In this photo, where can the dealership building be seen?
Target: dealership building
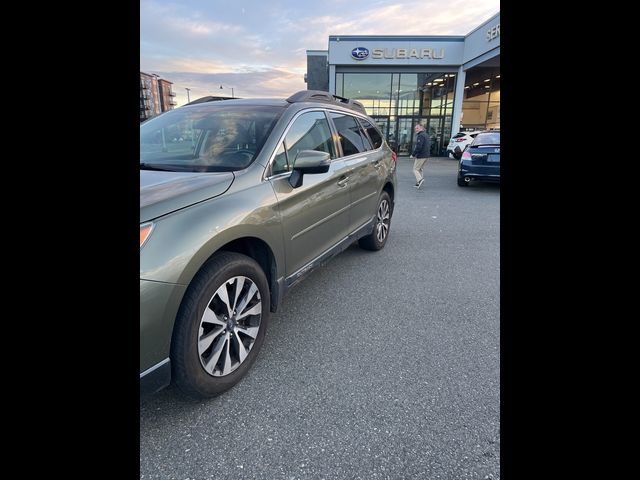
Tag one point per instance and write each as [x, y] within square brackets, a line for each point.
[447, 83]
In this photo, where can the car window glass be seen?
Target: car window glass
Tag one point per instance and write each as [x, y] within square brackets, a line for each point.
[374, 135]
[310, 131]
[177, 139]
[487, 139]
[206, 138]
[280, 161]
[365, 140]
[349, 132]
[458, 135]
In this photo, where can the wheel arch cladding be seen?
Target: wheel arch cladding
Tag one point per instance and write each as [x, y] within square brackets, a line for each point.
[262, 253]
[388, 187]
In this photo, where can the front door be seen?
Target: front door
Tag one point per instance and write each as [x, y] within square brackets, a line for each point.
[315, 216]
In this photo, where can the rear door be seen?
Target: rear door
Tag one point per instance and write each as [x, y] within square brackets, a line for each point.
[365, 166]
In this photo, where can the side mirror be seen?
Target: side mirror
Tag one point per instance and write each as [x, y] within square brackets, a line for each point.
[308, 161]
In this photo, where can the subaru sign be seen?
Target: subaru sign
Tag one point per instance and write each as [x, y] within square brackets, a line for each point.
[360, 53]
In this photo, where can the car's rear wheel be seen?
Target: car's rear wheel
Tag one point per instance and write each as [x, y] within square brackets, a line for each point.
[378, 237]
[461, 182]
[220, 326]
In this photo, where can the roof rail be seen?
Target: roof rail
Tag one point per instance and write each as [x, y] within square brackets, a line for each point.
[320, 96]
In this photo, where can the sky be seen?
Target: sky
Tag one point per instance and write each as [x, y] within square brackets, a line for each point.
[258, 48]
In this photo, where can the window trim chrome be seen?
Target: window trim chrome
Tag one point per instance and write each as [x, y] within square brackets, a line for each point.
[336, 143]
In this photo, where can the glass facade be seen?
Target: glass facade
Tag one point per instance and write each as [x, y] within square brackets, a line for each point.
[481, 105]
[397, 101]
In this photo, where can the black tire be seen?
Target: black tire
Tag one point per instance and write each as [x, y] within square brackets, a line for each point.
[461, 182]
[230, 270]
[377, 239]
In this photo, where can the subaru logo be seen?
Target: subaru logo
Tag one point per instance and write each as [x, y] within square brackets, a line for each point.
[360, 53]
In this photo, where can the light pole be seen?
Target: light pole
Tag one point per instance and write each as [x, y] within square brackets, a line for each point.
[232, 95]
[188, 99]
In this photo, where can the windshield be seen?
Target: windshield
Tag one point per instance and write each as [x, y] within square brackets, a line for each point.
[492, 138]
[206, 138]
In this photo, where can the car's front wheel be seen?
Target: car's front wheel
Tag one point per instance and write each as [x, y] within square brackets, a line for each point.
[378, 237]
[220, 326]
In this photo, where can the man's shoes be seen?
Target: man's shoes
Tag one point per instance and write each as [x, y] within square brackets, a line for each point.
[419, 184]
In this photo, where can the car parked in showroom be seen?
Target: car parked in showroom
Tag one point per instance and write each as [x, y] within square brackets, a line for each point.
[481, 159]
[459, 142]
[261, 193]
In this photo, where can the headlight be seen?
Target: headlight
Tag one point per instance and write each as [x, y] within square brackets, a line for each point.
[145, 231]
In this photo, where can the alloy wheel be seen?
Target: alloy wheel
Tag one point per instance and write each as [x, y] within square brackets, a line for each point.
[382, 225]
[229, 326]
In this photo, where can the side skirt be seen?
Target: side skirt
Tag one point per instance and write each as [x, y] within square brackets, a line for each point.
[290, 281]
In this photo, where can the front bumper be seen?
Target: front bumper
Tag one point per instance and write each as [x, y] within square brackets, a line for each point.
[155, 378]
[159, 303]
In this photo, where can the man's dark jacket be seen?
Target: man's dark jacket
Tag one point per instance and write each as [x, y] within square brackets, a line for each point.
[422, 148]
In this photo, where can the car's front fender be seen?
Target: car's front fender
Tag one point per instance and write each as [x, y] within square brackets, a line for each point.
[182, 241]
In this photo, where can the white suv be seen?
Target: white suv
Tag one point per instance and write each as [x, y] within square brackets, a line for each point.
[458, 143]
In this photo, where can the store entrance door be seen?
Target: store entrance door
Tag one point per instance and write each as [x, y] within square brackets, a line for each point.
[435, 130]
[404, 135]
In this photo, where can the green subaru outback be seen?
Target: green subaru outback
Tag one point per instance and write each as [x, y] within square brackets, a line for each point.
[239, 200]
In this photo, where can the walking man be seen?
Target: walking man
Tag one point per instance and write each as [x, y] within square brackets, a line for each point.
[420, 153]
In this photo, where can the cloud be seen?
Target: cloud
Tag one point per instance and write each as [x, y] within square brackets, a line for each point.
[427, 18]
[259, 47]
[260, 83]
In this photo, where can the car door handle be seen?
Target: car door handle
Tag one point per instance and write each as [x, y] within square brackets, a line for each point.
[343, 181]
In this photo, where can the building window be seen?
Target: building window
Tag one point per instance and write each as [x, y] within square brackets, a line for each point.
[373, 90]
[397, 101]
[481, 106]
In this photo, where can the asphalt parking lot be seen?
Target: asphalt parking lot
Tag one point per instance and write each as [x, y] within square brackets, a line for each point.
[379, 365]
